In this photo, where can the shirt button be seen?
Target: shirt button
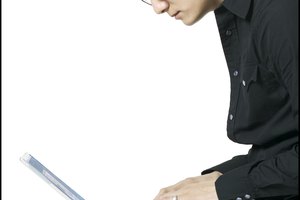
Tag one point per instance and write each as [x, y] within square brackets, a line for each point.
[228, 33]
[231, 117]
[247, 196]
[244, 83]
[239, 198]
[236, 73]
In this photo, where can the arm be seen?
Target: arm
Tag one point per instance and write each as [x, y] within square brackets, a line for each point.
[229, 165]
[276, 176]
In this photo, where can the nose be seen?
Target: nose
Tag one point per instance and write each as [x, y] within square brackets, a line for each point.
[160, 6]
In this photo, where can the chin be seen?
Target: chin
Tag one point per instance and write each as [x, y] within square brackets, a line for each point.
[190, 21]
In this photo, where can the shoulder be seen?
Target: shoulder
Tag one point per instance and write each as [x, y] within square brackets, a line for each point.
[275, 20]
[279, 13]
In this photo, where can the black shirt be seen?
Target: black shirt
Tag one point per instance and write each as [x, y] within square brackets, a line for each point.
[260, 42]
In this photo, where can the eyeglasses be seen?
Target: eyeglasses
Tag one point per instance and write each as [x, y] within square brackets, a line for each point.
[147, 2]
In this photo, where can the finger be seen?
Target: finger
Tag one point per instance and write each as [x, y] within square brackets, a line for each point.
[168, 196]
[181, 195]
[175, 189]
[161, 193]
[166, 193]
[170, 192]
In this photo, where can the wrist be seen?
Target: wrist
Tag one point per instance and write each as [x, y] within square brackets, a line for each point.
[216, 173]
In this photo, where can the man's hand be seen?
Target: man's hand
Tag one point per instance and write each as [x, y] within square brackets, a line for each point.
[196, 188]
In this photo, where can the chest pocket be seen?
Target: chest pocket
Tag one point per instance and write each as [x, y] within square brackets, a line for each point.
[260, 96]
[249, 76]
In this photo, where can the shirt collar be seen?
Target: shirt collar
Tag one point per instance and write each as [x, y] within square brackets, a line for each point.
[238, 7]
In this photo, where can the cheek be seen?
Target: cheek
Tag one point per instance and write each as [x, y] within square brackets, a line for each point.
[192, 17]
[196, 14]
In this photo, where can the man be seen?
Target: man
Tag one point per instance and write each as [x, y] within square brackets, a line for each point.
[260, 42]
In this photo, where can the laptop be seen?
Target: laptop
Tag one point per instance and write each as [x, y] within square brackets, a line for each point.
[49, 177]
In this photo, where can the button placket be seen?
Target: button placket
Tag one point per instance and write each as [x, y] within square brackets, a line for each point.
[228, 32]
[235, 73]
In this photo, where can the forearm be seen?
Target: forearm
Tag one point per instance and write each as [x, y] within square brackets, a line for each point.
[277, 176]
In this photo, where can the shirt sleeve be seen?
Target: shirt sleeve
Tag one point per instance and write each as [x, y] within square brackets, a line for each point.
[268, 178]
[229, 165]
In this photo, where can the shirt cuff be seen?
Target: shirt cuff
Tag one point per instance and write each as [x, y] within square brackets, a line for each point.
[235, 184]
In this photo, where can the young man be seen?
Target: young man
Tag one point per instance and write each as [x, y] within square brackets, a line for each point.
[260, 42]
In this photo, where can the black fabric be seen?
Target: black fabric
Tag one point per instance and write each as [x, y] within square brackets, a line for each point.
[260, 42]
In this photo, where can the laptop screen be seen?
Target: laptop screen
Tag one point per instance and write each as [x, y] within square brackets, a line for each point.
[49, 177]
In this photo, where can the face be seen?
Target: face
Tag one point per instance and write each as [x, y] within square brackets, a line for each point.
[189, 11]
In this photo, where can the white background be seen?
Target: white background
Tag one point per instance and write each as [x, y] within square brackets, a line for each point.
[115, 100]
